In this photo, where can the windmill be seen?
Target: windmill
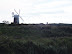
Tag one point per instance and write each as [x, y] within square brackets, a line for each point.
[16, 17]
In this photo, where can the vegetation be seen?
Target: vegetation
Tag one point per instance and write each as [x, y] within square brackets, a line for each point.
[59, 30]
[36, 39]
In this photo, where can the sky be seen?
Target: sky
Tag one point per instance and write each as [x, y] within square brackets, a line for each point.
[37, 11]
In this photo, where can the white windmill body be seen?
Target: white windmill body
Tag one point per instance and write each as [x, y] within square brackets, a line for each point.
[16, 17]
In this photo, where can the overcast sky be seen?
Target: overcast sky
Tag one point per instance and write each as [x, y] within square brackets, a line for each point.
[37, 11]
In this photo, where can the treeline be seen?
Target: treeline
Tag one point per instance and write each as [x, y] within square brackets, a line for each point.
[55, 46]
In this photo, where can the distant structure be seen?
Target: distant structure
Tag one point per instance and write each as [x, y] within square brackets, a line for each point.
[16, 17]
[47, 23]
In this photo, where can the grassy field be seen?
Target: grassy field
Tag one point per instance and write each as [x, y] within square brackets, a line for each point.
[36, 39]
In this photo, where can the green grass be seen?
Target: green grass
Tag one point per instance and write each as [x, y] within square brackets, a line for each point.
[38, 45]
[35, 39]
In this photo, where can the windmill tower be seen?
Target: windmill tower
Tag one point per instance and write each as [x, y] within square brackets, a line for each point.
[16, 17]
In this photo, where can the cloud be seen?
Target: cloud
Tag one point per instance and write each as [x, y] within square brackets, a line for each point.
[32, 10]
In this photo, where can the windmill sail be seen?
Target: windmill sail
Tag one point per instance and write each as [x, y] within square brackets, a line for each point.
[18, 14]
[16, 17]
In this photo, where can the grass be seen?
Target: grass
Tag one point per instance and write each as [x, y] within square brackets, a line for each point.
[35, 39]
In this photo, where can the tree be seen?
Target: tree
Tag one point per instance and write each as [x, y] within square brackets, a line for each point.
[6, 22]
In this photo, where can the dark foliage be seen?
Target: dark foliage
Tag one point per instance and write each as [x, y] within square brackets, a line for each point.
[45, 39]
[8, 46]
[19, 31]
